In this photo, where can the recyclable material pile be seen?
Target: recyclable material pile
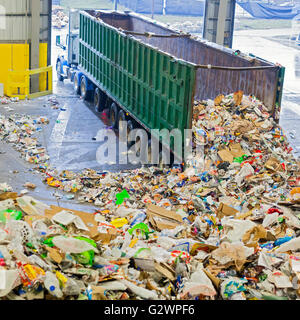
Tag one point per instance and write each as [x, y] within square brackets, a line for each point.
[187, 26]
[59, 18]
[19, 130]
[7, 100]
[227, 227]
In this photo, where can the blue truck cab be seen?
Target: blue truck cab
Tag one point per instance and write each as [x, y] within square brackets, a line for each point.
[67, 62]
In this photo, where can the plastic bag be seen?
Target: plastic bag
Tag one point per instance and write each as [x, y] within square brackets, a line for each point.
[72, 245]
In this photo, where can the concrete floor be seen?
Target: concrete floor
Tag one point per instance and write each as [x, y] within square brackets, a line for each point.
[69, 141]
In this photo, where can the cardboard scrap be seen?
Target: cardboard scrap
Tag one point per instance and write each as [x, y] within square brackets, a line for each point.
[55, 254]
[273, 164]
[225, 155]
[232, 151]
[98, 293]
[225, 210]
[241, 126]
[244, 215]
[8, 195]
[219, 99]
[252, 236]
[106, 238]
[87, 218]
[238, 97]
[161, 218]
[202, 246]
[228, 254]
[236, 150]
[165, 270]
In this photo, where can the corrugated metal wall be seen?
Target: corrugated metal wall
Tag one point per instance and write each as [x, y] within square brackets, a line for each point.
[21, 47]
[18, 21]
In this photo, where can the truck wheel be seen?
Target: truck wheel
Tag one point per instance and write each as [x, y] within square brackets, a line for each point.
[161, 163]
[130, 127]
[76, 84]
[121, 119]
[99, 100]
[113, 115]
[85, 94]
[58, 71]
[149, 155]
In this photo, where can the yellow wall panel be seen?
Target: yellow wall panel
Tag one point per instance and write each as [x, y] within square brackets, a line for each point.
[5, 63]
[20, 57]
[20, 61]
[43, 63]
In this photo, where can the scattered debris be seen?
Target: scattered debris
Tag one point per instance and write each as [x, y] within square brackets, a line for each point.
[225, 227]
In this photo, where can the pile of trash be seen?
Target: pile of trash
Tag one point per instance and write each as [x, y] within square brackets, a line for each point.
[19, 130]
[7, 100]
[224, 227]
[187, 26]
[59, 18]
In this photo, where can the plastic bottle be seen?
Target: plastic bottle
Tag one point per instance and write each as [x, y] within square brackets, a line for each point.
[142, 292]
[40, 228]
[127, 240]
[139, 218]
[52, 285]
[280, 241]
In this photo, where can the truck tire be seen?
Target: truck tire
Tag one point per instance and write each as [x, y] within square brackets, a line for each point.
[99, 100]
[113, 115]
[58, 71]
[130, 127]
[76, 84]
[149, 155]
[161, 161]
[84, 92]
[162, 164]
[122, 118]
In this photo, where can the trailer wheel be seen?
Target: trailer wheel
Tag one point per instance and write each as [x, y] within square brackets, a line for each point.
[113, 115]
[121, 119]
[149, 155]
[162, 163]
[58, 71]
[76, 84]
[130, 127]
[99, 100]
[85, 93]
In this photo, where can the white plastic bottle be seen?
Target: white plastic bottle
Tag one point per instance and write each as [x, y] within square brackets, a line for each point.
[52, 285]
